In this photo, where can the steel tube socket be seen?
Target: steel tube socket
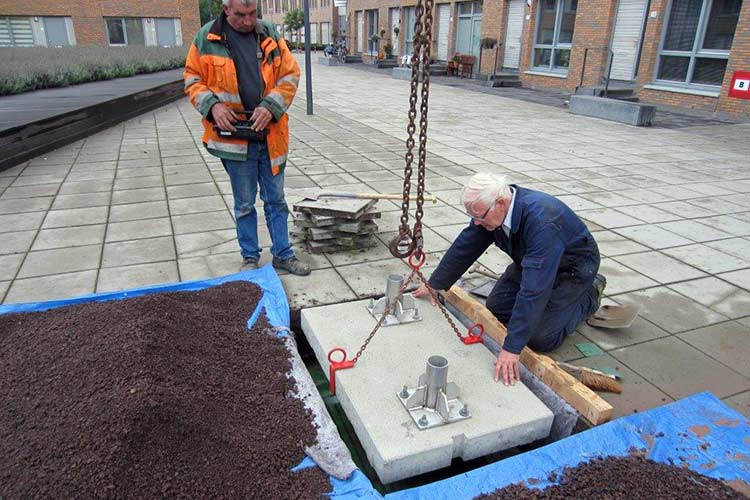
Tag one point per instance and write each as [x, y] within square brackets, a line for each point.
[437, 379]
[393, 286]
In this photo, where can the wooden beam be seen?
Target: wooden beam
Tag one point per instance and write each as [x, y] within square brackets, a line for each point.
[589, 404]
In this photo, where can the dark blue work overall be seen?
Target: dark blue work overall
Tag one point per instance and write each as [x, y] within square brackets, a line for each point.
[548, 289]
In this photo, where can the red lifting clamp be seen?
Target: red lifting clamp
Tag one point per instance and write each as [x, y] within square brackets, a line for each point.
[419, 263]
[337, 365]
[474, 338]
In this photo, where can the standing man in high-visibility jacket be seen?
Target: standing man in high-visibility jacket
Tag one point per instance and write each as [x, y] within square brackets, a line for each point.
[236, 63]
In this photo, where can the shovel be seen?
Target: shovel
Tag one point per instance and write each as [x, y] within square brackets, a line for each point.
[316, 195]
[614, 316]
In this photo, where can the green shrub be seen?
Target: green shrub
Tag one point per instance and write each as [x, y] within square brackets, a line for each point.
[26, 69]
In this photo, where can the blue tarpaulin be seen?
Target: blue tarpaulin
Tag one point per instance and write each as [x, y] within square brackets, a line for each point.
[700, 432]
[274, 299]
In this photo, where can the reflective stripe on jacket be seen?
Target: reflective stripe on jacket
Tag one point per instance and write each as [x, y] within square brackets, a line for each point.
[211, 77]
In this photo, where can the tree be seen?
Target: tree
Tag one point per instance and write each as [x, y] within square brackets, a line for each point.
[295, 20]
[209, 10]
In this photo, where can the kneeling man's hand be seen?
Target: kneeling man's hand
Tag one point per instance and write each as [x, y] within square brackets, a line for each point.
[507, 365]
[425, 291]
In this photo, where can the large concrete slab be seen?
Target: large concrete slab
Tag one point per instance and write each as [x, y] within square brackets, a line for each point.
[502, 417]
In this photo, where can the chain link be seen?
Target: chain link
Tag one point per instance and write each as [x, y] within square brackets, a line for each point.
[440, 305]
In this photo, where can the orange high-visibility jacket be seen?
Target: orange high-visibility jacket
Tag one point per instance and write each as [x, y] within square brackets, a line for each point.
[211, 77]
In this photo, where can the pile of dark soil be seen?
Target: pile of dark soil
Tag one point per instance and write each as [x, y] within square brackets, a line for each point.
[625, 478]
[161, 395]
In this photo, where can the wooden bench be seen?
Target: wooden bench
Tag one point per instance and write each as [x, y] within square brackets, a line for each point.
[466, 66]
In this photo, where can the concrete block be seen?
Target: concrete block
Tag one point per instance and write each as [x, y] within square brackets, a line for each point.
[502, 417]
[631, 113]
[328, 61]
[404, 74]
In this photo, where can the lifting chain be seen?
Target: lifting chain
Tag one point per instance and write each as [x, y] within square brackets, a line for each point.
[410, 241]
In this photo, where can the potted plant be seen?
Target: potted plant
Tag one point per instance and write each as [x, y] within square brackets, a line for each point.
[388, 49]
[452, 66]
[374, 38]
[485, 43]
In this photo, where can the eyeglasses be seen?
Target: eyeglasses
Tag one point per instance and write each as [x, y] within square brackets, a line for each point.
[483, 217]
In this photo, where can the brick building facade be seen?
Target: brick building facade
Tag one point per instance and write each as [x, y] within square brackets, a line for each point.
[98, 22]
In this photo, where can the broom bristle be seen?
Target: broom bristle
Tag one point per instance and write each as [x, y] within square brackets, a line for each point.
[600, 382]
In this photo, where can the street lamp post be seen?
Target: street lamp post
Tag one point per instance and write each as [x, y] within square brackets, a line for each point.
[308, 63]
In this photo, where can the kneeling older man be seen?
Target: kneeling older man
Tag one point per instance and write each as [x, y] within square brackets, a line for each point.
[552, 284]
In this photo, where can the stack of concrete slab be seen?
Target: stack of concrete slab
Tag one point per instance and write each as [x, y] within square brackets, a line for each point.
[334, 224]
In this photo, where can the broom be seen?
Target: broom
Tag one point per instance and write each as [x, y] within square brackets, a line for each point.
[593, 379]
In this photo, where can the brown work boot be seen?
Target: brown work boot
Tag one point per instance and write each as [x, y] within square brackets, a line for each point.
[293, 265]
[249, 264]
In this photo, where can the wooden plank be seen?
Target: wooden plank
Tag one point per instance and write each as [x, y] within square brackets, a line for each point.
[589, 404]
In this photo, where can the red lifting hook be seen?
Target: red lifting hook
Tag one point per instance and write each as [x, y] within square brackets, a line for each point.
[337, 365]
[473, 338]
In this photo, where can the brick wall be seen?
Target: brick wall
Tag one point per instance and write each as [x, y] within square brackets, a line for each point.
[739, 60]
[87, 15]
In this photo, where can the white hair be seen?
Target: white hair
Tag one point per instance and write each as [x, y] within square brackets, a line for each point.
[486, 188]
[246, 3]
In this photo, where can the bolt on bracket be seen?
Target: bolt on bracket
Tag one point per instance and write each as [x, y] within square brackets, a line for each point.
[405, 311]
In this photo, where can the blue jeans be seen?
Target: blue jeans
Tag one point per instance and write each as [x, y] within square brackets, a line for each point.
[245, 177]
[573, 299]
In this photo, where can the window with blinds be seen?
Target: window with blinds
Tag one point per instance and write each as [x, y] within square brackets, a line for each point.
[16, 32]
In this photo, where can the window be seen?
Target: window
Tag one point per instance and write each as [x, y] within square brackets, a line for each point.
[16, 32]
[372, 29]
[125, 31]
[56, 32]
[469, 28]
[697, 37]
[556, 21]
[409, 19]
[166, 35]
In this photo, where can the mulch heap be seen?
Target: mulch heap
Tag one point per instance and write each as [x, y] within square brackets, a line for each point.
[160, 395]
[625, 478]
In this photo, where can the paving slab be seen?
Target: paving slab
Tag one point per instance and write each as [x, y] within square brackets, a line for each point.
[138, 229]
[60, 260]
[727, 299]
[69, 237]
[53, 287]
[679, 369]
[727, 342]
[740, 402]
[641, 330]
[142, 251]
[17, 242]
[502, 417]
[121, 278]
[75, 217]
[659, 267]
[739, 278]
[138, 211]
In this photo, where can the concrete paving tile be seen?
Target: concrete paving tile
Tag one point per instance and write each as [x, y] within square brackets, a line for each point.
[740, 402]
[76, 217]
[80, 187]
[128, 173]
[16, 242]
[198, 204]
[137, 195]
[4, 285]
[443, 216]
[53, 287]
[622, 279]
[69, 237]
[728, 224]
[737, 247]
[125, 253]
[433, 242]
[679, 369]
[653, 236]
[568, 350]
[206, 221]
[21, 205]
[637, 393]
[449, 232]
[226, 187]
[368, 279]
[576, 202]
[376, 253]
[11, 193]
[495, 260]
[20, 222]
[122, 278]
[193, 190]
[739, 278]
[84, 200]
[707, 259]
[612, 244]
[608, 218]
[609, 199]
[210, 266]
[659, 267]
[139, 182]
[136, 211]
[607, 338]
[183, 178]
[9, 265]
[744, 321]
[14, 171]
[93, 175]
[60, 260]
[670, 310]
[34, 180]
[138, 229]
[694, 230]
[139, 163]
[649, 213]
[727, 342]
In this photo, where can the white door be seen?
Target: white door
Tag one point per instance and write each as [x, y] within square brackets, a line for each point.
[395, 15]
[626, 38]
[360, 31]
[514, 34]
[444, 21]
[325, 33]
